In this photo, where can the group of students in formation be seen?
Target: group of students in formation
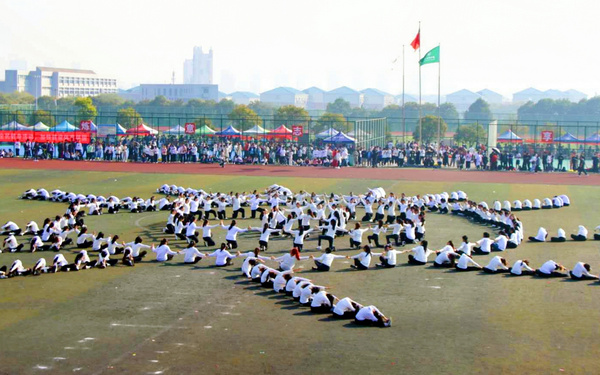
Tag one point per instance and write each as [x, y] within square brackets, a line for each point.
[391, 220]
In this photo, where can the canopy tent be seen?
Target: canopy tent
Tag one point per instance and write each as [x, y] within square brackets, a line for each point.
[13, 125]
[327, 133]
[593, 139]
[229, 132]
[509, 136]
[93, 127]
[339, 138]
[567, 138]
[176, 130]
[64, 126]
[358, 133]
[256, 129]
[141, 129]
[40, 127]
[121, 130]
[205, 130]
[280, 132]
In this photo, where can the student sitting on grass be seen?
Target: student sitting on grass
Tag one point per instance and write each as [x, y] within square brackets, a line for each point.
[551, 269]
[561, 236]
[581, 271]
[581, 234]
[541, 235]
[371, 316]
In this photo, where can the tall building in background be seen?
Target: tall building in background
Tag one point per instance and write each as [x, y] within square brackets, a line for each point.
[199, 70]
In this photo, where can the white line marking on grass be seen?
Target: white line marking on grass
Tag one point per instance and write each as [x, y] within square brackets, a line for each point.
[40, 367]
[137, 222]
[143, 326]
[59, 358]
[435, 287]
[77, 369]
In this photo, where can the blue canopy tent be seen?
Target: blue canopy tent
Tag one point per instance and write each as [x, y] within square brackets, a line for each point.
[509, 136]
[64, 127]
[339, 138]
[567, 138]
[593, 139]
[327, 133]
[229, 132]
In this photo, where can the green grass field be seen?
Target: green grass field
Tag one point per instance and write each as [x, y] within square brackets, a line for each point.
[174, 318]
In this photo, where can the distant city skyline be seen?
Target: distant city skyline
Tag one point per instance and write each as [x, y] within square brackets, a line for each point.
[507, 47]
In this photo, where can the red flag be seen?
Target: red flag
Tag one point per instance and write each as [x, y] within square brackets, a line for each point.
[415, 44]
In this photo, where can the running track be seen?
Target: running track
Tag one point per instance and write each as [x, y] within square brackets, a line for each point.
[407, 174]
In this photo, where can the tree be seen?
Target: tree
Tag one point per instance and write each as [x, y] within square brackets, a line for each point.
[109, 100]
[449, 114]
[243, 118]
[291, 115]
[429, 128]
[339, 106]
[470, 134]
[225, 106]
[43, 116]
[85, 109]
[128, 117]
[201, 121]
[17, 98]
[159, 101]
[479, 111]
[332, 120]
[202, 106]
[67, 101]
[261, 109]
[46, 102]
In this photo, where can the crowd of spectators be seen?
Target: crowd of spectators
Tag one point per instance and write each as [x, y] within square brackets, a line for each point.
[164, 149]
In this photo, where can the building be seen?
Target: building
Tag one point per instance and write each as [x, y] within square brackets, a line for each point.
[491, 96]
[281, 96]
[199, 70]
[527, 95]
[57, 82]
[376, 99]
[462, 99]
[316, 99]
[172, 92]
[354, 97]
[407, 99]
[243, 97]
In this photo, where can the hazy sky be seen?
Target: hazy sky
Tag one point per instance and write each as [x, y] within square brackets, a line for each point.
[505, 45]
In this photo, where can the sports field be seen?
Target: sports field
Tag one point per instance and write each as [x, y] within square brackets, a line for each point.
[173, 318]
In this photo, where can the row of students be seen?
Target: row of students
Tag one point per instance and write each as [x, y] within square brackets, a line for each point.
[582, 235]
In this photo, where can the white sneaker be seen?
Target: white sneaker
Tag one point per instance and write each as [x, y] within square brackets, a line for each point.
[318, 247]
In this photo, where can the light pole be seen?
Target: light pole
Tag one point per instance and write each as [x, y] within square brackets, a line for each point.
[37, 84]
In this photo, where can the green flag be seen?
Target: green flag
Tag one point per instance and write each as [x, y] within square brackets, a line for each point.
[433, 56]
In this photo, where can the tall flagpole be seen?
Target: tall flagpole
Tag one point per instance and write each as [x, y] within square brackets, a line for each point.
[420, 129]
[439, 108]
[403, 113]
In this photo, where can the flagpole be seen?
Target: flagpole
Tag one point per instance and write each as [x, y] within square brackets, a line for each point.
[403, 113]
[420, 129]
[439, 108]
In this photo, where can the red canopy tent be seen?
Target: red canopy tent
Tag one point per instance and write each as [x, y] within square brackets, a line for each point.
[280, 132]
[141, 129]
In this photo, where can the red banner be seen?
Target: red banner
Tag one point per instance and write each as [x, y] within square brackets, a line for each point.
[547, 136]
[44, 137]
[85, 126]
[297, 130]
[190, 128]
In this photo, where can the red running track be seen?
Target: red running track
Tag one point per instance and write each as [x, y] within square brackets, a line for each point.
[406, 174]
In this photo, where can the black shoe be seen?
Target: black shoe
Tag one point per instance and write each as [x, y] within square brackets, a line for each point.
[352, 266]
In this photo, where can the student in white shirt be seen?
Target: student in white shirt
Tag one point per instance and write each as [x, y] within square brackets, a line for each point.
[10, 227]
[39, 267]
[581, 271]
[32, 228]
[299, 236]
[597, 234]
[541, 235]
[389, 257]
[464, 264]
[11, 245]
[446, 258]
[396, 229]
[232, 232]
[496, 265]
[420, 254]
[223, 257]
[100, 243]
[323, 263]
[371, 316]
[362, 260]
[330, 231]
[288, 261]
[551, 269]
[484, 245]
[377, 230]
[265, 233]
[356, 235]
[521, 267]
[581, 234]
[500, 242]
[346, 308]
[191, 254]
[190, 231]
[17, 269]
[105, 261]
[82, 261]
[207, 233]
[84, 239]
[252, 259]
[465, 247]
[136, 246]
[163, 251]
[322, 302]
